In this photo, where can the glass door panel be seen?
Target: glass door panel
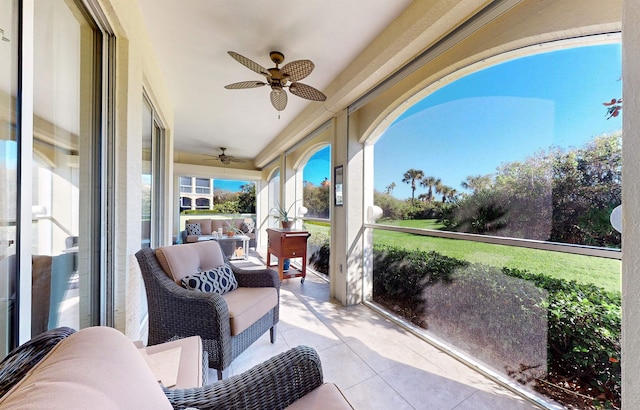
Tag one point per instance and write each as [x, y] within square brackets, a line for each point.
[65, 137]
[8, 171]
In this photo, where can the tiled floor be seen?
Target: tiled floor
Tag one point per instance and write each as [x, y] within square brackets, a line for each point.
[377, 364]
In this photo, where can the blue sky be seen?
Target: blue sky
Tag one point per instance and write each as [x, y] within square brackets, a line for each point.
[318, 167]
[502, 114]
[228, 185]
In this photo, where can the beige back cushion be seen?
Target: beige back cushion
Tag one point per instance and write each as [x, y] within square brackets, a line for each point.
[95, 368]
[179, 261]
[205, 225]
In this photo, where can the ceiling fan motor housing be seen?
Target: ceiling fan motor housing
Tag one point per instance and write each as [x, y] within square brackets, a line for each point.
[277, 57]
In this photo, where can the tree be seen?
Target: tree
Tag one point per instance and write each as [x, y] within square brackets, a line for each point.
[316, 199]
[411, 177]
[554, 195]
[477, 183]
[431, 183]
[247, 198]
[389, 188]
[447, 193]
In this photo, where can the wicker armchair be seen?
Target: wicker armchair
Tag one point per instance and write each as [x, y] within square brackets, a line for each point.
[18, 363]
[175, 312]
[273, 384]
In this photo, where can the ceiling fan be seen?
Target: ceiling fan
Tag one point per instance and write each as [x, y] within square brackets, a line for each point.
[224, 158]
[280, 78]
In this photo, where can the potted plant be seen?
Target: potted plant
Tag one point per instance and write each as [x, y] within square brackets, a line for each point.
[232, 230]
[284, 215]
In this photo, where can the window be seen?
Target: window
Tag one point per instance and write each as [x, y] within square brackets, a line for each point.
[152, 183]
[316, 188]
[186, 185]
[508, 177]
[185, 203]
[202, 203]
[8, 171]
[203, 186]
[64, 170]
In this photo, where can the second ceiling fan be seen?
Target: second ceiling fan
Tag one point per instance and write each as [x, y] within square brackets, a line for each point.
[279, 78]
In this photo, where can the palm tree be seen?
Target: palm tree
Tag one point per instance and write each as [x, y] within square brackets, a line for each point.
[477, 182]
[452, 196]
[410, 177]
[390, 187]
[430, 182]
[445, 191]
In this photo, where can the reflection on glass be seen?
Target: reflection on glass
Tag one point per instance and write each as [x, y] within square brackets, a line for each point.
[535, 157]
[64, 107]
[147, 172]
[8, 167]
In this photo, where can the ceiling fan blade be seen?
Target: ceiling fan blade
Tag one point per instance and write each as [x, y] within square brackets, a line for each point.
[297, 70]
[306, 91]
[278, 98]
[244, 84]
[234, 159]
[250, 64]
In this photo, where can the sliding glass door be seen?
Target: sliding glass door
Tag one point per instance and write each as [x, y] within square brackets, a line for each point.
[8, 171]
[65, 226]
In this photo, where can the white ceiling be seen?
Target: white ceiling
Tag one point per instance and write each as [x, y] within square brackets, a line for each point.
[191, 39]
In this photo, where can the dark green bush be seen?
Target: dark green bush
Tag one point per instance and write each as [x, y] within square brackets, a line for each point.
[584, 330]
[583, 321]
[400, 273]
[320, 258]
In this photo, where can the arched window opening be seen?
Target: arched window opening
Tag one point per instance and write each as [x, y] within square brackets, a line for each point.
[316, 193]
[508, 177]
[202, 203]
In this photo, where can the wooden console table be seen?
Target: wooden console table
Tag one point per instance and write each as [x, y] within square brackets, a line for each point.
[288, 243]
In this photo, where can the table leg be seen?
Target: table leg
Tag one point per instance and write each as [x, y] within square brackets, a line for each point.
[245, 245]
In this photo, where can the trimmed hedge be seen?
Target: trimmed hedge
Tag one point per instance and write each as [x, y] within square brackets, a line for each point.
[583, 322]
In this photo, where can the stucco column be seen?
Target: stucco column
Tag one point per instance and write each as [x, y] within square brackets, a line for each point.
[346, 221]
[630, 206]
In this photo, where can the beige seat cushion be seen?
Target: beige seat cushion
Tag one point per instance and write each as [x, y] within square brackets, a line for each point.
[326, 397]
[97, 367]
[247, 305]
[190, 367]
[179, 261]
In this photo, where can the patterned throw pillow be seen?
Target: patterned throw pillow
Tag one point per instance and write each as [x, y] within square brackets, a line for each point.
[247, 226]
[193, 229]
[219, 280]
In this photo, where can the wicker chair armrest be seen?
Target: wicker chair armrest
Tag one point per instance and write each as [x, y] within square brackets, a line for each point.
[274, 384]
[22, 359]
[256, 278]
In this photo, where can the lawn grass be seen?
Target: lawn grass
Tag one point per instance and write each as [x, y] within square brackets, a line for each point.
[602, 272]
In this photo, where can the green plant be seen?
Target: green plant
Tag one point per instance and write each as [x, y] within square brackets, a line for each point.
[584, 323]
[283, 214]
[581, 323]
[320, 258]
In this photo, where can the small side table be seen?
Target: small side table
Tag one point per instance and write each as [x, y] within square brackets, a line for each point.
[288, 243]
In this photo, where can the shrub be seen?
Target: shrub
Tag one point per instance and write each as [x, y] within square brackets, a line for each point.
[584, 331]
[400, 273]
[320, 258]
[583, 321]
